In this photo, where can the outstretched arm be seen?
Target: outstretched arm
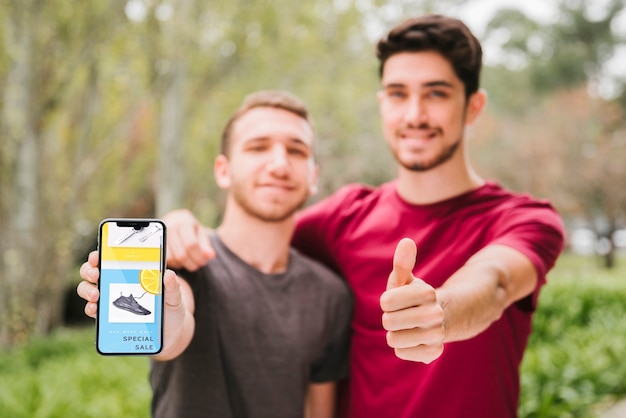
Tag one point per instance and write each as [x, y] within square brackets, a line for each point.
[179, 322]
[477, 294]
[420, 319]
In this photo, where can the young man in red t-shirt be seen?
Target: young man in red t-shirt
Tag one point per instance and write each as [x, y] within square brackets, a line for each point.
[460, 312]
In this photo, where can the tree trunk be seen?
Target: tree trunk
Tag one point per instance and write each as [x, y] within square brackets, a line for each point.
[170, 184]
[20, 207]
[34, 221]
[609, 258]
[171, 180]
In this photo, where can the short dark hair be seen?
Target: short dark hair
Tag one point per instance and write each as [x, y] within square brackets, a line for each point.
[446, 35]
[277, 99]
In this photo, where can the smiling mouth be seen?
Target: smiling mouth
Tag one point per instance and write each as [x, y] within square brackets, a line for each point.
[421, 134]
[416, 142]
[281, 187]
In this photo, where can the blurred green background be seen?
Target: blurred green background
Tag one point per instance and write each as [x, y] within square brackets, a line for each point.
[574, 365]
[115, 108]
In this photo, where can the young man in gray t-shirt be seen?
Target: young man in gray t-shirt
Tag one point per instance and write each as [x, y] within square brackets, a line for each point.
[260, 331]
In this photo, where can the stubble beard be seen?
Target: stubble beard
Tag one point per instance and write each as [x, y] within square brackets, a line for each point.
[422, 166]
[439, 159]
[275, 215]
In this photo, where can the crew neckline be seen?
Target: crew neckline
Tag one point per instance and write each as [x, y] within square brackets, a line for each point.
[445, 202]
[273, 277]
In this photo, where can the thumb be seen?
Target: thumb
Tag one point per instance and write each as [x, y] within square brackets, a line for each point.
[403, 263]
[172, 295]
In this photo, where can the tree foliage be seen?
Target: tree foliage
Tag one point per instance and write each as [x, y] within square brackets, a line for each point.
[564, 54]
[115, 108]
[561, 133]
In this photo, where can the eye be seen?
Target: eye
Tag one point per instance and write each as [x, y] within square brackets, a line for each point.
[298, 152]
[438, 94]
[255, 147]
[396, 94]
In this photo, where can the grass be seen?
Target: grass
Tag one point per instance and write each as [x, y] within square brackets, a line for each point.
[573, 367]
[63, 376]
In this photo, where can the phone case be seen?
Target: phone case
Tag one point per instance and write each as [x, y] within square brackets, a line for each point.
[130, 308]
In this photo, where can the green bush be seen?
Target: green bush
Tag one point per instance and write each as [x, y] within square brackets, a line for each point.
[63, 376]
[573, 365]
[574, 362]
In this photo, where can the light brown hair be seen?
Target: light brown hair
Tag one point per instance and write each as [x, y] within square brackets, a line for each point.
[277, 99]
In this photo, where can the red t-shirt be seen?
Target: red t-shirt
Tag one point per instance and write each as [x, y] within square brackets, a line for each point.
[356, 230]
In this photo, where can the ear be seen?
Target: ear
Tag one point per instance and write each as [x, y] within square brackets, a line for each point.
[221, 172]
[313, 177]
[380, 95]
[475, 106]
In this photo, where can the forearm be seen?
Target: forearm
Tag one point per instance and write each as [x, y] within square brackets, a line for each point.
[478, 294]
[177, 334]
[179, 322]
[470, 306]
[321, 400]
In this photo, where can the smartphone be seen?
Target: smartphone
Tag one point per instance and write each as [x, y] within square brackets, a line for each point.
[130, 308]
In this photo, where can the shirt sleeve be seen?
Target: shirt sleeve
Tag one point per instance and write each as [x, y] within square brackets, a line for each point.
[535, 229]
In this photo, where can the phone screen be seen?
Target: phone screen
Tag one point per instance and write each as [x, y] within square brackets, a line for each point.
[130, 308]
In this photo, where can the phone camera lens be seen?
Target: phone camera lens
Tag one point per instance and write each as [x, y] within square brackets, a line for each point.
[138, 228]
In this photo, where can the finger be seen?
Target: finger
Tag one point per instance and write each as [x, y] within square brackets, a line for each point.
[418, 294]
[206, 247]
[422, 353]
[91, 309]
[188, 247]
[403, 263]
[423, 316]
[89, 272]
[88, 291]
[180, 224]
[415, 337]
[198, 247]
[92, 259]
[175, 250]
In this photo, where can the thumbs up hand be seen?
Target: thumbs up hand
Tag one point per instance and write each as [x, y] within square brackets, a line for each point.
[412, 316]
[403, 263]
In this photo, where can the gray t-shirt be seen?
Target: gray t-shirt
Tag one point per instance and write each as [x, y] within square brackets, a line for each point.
[259, 340]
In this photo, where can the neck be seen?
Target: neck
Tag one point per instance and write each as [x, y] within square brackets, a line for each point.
[450, 179]
[263, 245]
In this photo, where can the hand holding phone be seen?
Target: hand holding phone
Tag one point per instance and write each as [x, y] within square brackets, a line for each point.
[130, 307]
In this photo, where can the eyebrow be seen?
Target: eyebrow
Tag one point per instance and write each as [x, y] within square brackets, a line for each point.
[439, 83]
[435, 83]
[268, 138]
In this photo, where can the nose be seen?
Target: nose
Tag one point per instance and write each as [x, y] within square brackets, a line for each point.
[415, 112]
[278, 163]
